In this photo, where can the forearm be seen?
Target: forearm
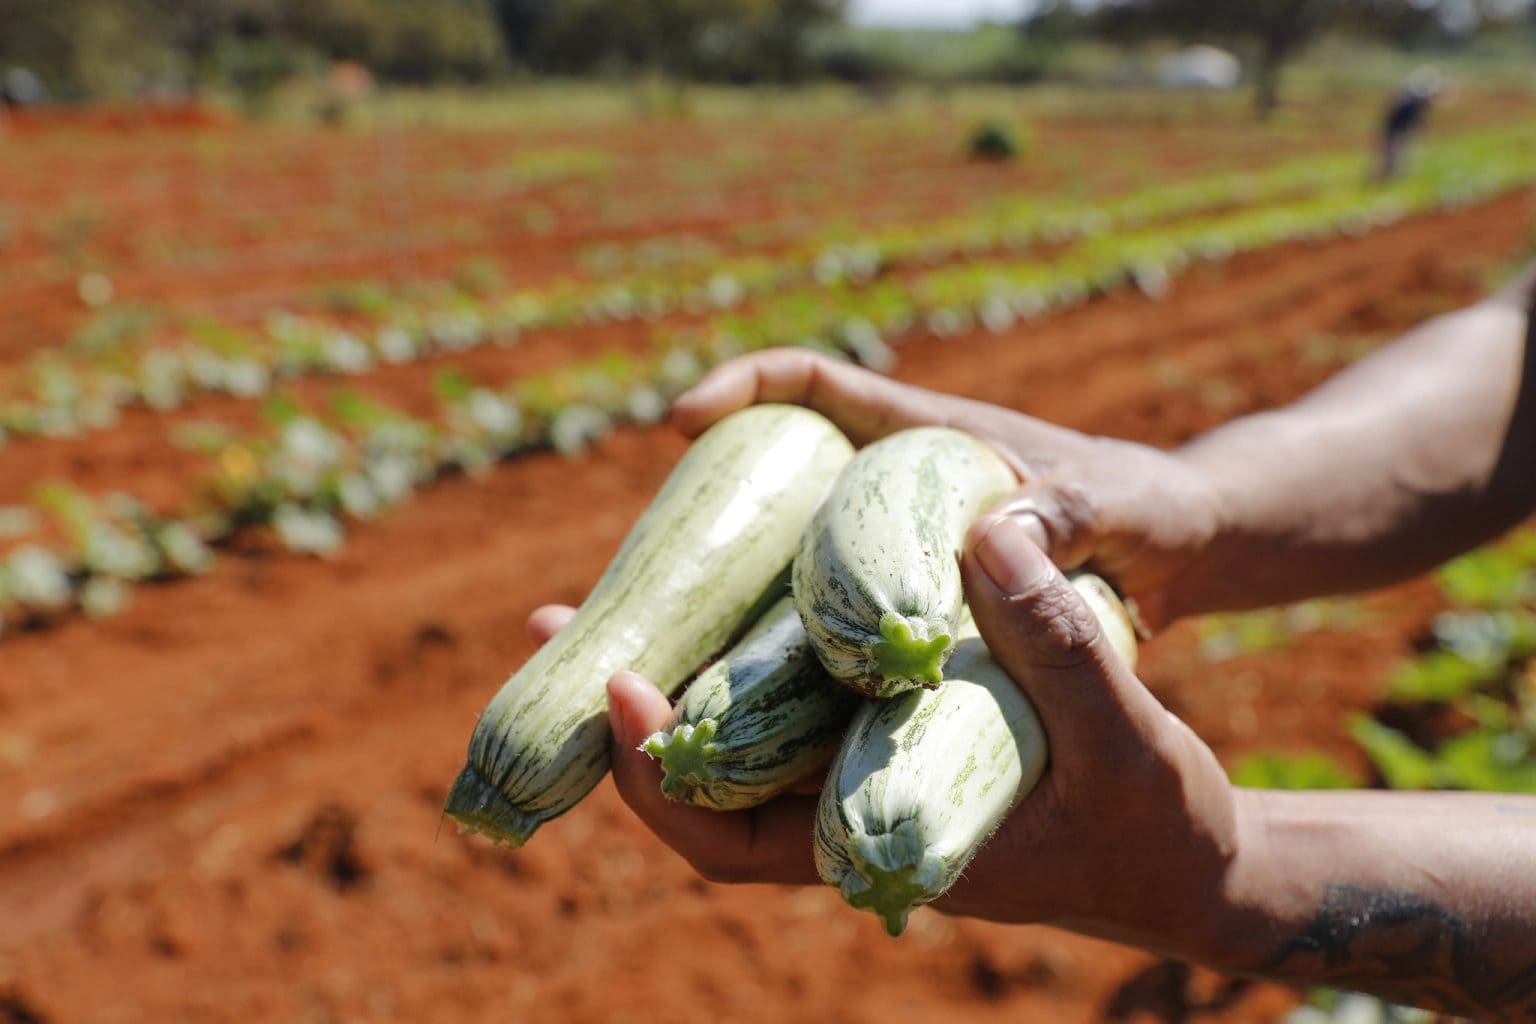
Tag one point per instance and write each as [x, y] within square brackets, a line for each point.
[1424, 899]
[1416, 453]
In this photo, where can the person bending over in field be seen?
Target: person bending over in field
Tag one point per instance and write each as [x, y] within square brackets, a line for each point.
[1404, 118]
[1134, 834]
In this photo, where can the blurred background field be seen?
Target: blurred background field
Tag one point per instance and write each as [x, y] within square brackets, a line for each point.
[336, 337]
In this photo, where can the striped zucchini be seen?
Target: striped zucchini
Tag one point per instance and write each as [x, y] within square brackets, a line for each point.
[755, 722]
[700, 564]
[923, 780]
[877, 577]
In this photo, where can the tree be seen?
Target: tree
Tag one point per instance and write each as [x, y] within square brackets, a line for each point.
[734, 39]
[785, 33]
[1274, 30]
[522, 22]
[1403, 25]
[82, 47]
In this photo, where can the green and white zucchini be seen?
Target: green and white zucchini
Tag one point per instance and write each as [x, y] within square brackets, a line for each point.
[705, 559]
[877, 577]
[1114, 618]
[755, 722]
[922, 781]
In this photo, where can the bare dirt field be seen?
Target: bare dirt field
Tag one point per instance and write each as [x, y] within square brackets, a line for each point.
[223, 803]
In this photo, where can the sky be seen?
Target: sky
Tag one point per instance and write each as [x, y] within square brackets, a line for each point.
[935, 13]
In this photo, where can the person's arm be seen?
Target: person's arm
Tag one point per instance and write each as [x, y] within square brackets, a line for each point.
[1423, 898]
[1418, 452]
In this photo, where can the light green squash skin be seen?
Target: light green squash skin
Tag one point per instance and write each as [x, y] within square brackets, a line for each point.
[877, 577]
[923, 780]
[704, 560]
[755, 722]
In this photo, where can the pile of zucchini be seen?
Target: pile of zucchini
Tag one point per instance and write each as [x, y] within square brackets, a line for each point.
[822, 565]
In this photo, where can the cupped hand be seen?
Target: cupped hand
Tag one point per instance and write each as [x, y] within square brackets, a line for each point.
[769, 843]
[1135, 515]
[1128, 834]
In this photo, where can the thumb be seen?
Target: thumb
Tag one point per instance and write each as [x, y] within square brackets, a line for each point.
[637, 709]
[1044, 635]
[762, 844]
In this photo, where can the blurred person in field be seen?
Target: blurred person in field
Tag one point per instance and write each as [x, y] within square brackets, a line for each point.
[20, 87]
[1405, 118]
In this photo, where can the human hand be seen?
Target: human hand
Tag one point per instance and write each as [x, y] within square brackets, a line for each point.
[768, 843]
[1132, 829]
[1135, 515]
[1127, 835]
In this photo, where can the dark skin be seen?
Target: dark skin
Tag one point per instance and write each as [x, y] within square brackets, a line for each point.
[1134, 834]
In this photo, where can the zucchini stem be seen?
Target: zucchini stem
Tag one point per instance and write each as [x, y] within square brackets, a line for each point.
[892, 873]
[686, 754]
[904, 658]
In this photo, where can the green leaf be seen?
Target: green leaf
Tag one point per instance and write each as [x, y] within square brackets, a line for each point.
[618, 366]
[1490, 712]
[1402, 763]
[281, 409]
[1293, 771]
[1522, 545]
[1441, 676]
[1490, 760]
[358, 412]
[1492, 577]
[452, 385]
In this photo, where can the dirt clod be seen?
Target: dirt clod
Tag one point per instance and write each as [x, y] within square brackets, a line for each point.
[327, 846]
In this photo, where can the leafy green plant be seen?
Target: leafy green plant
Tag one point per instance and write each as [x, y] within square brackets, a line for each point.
[1492, 577]
[1402, 763]
[1267, 629]
[1292, 771]
[1481, 666]
[994, 140]
[1441, 676]
[112, 328]
[1483, 758]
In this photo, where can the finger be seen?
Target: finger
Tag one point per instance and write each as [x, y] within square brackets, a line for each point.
[863, 404]
[810, 785]
[1042, 632]
[770, 843]
[545, 622]
[1060, 519]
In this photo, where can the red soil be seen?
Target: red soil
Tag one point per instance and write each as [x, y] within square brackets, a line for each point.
[231, 220]
[223, 804]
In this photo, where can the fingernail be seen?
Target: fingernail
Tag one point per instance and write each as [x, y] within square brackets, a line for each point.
[1011, 557]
